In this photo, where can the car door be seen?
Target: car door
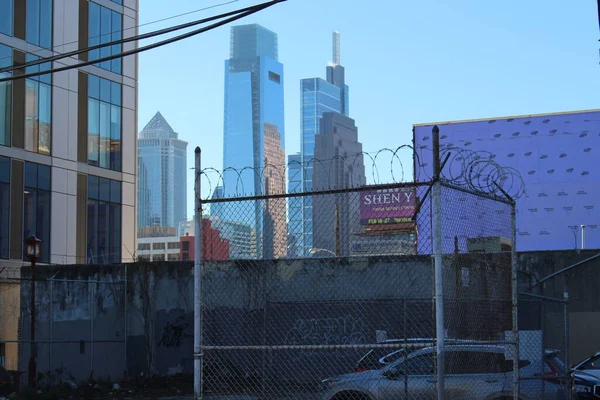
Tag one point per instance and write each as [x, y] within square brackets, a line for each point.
[409, 380]
[474, 374]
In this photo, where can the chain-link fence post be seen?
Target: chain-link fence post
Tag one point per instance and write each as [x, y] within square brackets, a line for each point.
[437, 255]
[197, 280]
[567, 344]
[515, 299]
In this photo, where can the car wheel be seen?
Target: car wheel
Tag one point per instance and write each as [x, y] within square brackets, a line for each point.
[350, 396]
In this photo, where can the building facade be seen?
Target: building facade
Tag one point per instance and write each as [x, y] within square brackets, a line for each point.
[549, 164]
[274, 212]
[317, 96]
[295, 239]
[214, 247]
[162, 178]
[67, 139]
[165, 248]
[335, 216]
[253, 106]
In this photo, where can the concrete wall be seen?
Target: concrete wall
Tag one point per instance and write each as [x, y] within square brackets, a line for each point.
[108, 321]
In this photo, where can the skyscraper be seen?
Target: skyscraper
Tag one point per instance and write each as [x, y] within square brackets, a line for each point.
[162, 162]
[337, 214]
[253, 106]
[317, 97]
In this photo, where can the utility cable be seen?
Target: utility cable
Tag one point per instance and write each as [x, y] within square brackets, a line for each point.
[254, 10]
[136, 26]
[134, 38]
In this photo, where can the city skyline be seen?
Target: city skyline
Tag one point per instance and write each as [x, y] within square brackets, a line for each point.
[406, 73]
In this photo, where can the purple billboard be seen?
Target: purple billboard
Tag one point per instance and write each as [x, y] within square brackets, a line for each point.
[552, 171]
[387, 206]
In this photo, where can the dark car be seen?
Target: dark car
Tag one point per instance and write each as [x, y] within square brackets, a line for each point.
[6, 381]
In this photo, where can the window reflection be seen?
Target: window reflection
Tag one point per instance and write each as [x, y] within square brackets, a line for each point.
[38, 109]
[4, 205]
[36, 207]
[104, 123]
[38, 25]
[5, 94]
[104, 221]
[105, 26]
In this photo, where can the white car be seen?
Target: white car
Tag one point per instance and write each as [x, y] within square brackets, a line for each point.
[590, 366]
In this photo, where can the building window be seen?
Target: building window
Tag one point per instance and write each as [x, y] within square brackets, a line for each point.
[158, 246]
[104, 221]
[38, 109]
[6, 17]
[4, 205]
[39, 23]
[158, 257]
[144, 246]
[36, 207]
[173, 245]
[186, 246]
[274, 77]
[5, 94]
[104, 123]
[105, 26]
[173, 257]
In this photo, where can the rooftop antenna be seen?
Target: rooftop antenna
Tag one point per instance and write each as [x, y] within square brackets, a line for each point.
[336, 48]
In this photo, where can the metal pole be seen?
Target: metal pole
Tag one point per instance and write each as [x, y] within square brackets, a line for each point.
[92, 309]
[543, 364]
[567, 361]
[338, 244]
[515, 299]
[197, 280]
[582, 237]
[50, 350]
[437, 254]
[32, 347]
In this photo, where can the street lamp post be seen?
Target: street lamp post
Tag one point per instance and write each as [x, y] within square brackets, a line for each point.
[32, 246]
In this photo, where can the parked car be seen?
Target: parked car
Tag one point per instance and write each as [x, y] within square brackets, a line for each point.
[6, 382]
[379, 357]
[590, 366]
[471, 372]
[585, 386]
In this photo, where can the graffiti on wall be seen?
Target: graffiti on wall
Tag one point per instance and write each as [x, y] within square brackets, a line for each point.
[175, 333]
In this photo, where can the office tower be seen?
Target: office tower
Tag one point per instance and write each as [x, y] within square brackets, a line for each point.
[335, 216]
[295, 239]
[162, 180]
[317, 96]
[253, 104]
[274, 221]
[68, 139]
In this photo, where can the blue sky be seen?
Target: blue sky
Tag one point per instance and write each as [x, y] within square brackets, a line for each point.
[406, 62]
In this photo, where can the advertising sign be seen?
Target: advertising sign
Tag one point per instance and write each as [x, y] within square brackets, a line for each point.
[387, 206]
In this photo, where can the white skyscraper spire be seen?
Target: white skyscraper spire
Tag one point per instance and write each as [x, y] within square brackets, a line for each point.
[336, 48]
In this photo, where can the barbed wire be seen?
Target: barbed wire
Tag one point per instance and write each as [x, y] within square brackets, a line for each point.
[477, 171]
[370, 161]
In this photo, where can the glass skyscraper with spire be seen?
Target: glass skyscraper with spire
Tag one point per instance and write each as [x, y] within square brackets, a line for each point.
[317, 96]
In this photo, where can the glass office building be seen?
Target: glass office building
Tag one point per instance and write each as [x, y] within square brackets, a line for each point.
[68, 139]
[162, 177]
[253, 105]
[317, 96]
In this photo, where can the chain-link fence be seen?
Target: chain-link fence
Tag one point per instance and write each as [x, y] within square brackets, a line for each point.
[331, 294]
[79, 326]
[544, 335]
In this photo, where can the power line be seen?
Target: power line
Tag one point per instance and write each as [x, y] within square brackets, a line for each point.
[252, 10]
[140, 25]
[130, 39]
